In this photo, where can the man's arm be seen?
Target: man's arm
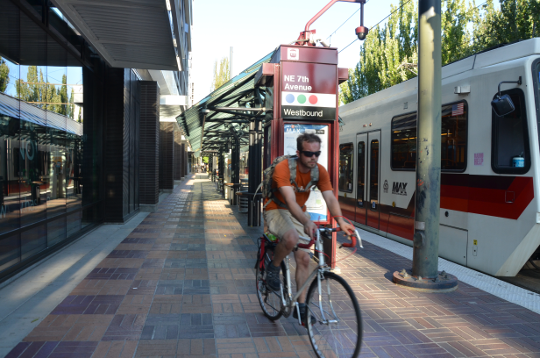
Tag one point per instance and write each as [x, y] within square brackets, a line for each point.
[290, 199]
[335, 210]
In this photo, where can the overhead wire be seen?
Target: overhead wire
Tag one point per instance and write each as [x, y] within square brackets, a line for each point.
[377, 24]
[383, 20]
[354, 13]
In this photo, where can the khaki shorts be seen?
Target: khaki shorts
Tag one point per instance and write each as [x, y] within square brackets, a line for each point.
[279, 221]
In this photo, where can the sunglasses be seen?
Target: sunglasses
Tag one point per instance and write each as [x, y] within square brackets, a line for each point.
[309, 154]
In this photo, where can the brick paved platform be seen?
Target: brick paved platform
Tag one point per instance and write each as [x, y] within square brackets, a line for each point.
[182, 284]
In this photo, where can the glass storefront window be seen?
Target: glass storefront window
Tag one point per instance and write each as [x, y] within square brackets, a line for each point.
[42, 138]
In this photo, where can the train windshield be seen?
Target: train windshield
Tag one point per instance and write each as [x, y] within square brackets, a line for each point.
[537, 76]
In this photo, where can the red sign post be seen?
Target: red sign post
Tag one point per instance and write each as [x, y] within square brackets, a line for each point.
[301, 96]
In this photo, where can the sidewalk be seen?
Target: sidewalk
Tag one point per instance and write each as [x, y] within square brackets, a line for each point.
[182, 284]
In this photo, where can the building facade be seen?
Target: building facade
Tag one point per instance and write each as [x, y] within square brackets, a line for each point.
[82, 85]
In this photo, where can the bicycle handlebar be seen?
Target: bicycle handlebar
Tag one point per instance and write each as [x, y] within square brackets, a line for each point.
[330, 230]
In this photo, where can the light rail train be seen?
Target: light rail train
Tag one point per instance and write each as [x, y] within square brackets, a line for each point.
[490, 165]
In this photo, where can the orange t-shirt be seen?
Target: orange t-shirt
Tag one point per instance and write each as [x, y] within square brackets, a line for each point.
[282, 177]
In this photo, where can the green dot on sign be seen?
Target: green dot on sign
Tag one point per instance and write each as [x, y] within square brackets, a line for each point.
[301, 99]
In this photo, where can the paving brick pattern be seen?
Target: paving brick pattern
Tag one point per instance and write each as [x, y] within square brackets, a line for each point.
[182, 285]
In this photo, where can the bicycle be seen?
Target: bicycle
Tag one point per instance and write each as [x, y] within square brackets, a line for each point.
[337, 328]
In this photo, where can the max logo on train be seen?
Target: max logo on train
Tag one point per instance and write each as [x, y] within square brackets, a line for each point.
[399, 188]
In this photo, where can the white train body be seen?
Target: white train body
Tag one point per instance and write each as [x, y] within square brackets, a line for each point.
[490, 212]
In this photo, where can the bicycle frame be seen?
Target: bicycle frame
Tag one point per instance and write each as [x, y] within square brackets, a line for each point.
[287, 301]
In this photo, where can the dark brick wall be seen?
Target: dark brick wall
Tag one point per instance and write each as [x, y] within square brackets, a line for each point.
[183, 156]
[121, 145]
[149, 143]
[177, 152]
[166, 155]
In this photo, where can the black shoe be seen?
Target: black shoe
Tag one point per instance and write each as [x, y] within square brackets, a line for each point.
[272, 277]
[303, 312]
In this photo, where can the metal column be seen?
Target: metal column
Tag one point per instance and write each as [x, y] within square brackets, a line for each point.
[221, 168]
[428, 145]
[425, 273]
[255, 168]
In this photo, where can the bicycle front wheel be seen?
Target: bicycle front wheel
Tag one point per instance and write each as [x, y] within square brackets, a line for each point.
[337, 329]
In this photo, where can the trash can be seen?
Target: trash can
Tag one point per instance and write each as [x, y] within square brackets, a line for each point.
[242, 199]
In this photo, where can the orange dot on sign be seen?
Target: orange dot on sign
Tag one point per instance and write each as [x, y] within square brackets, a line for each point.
[312, 99]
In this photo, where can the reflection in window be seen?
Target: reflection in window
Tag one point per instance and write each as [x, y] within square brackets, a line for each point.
[510, 138]
[4, 75]
[453, 139]
[346, 167]
[41, 137]
[44, 87]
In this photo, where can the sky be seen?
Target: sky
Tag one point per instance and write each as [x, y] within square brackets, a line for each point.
[254, 28]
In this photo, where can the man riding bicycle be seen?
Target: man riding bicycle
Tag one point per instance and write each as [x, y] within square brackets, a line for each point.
[286, 217]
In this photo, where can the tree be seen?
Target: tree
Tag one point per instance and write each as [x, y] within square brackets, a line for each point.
[389, 54]
[4, 75]
[455, 37]
[71, 108]
[62, 95]
[515, 20]
[43, 94]
[221, 73]
[28, 91]
[386, 55]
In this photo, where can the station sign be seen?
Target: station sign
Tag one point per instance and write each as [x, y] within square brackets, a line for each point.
[308, 91]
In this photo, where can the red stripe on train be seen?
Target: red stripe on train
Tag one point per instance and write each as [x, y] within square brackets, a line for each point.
[505, 202]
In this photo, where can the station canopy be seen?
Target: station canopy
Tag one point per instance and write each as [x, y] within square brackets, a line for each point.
[211, 123]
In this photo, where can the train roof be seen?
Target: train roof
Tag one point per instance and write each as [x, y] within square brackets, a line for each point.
[482, 59]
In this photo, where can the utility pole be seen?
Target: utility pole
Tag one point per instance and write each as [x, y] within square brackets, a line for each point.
[424, 274]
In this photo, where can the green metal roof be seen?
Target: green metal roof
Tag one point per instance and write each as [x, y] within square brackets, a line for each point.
[219, 126]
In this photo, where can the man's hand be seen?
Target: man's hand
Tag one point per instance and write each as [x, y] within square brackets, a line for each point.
[345, 226]
[309, 228]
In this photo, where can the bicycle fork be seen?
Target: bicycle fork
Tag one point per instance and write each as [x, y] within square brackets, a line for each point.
[287, 297]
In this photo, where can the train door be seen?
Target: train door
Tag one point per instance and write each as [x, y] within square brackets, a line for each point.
[368, 168]
[361, 206]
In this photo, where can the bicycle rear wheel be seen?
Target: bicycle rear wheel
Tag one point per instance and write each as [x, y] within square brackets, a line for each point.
[337, 330]
[269, 300]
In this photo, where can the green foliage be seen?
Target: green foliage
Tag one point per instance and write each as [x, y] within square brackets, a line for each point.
[4, 75]
[389, 55]
[63, 97]
[455, 37]
[516, 20]
[221, 73]
[45, 95]
[386, 55]
[205, 160]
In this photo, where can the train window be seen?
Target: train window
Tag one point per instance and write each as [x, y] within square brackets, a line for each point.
[374, 172]
[454, 136]
[346, 167]
[404, 142]
[453, 139]
[361, 172]
[510, 140]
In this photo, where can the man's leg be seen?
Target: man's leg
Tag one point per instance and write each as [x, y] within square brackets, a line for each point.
[285, 246]
[302, 272]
